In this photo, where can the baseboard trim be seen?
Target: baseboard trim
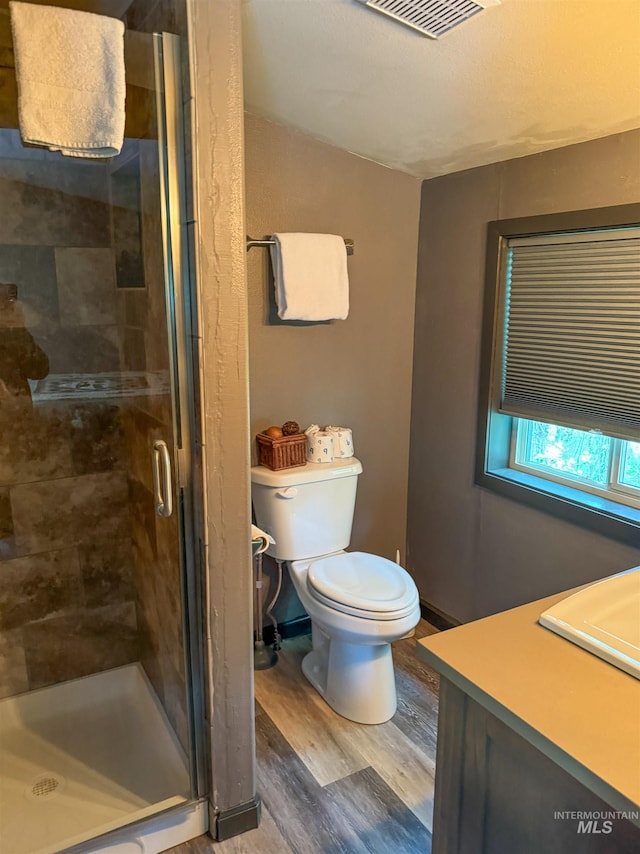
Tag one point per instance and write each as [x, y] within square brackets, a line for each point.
[289, 629]
[237, 820]
[437, 618]
[302, 625]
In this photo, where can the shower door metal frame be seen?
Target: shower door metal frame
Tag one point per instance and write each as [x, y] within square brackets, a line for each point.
[179, 306]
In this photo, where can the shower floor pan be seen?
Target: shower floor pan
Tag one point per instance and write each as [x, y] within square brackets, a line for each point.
[84, 757]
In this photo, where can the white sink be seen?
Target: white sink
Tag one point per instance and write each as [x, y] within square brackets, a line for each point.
[604, 619]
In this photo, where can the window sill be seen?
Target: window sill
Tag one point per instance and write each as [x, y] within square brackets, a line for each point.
[608, 518]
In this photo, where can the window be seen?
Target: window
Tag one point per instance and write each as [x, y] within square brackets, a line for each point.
[559, 416]
[586, 460]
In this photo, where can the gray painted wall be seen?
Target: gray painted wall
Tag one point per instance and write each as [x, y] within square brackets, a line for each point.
[471, 551]
[355, 372]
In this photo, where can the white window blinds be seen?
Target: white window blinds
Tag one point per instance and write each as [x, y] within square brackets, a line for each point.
[572, 330]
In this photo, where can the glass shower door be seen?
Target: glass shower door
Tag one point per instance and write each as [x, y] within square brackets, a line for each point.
[97, 669]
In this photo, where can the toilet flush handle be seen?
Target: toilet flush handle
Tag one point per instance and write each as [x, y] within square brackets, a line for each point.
[287, 492]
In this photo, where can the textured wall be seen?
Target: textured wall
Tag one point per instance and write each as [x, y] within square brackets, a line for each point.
[354, 372]
[474, 552]
[217, 230]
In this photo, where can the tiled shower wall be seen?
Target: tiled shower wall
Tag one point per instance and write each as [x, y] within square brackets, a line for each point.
[89, 576]
[66, 582]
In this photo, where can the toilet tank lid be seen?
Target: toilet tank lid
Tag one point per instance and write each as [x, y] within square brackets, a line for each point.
[308, 473]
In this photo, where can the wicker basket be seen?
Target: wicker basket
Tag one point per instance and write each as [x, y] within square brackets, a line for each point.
[283, 453]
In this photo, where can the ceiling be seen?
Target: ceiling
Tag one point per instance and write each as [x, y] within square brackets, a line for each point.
[522, 77]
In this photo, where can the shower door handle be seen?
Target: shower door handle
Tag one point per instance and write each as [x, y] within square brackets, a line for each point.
[162, 484]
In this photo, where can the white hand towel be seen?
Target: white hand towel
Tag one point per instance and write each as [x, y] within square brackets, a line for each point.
[311, 278]
[71, 80]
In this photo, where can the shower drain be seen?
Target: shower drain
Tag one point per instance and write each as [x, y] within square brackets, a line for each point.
[44, 787]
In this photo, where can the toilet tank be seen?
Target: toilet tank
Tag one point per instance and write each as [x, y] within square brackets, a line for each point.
[308, 510]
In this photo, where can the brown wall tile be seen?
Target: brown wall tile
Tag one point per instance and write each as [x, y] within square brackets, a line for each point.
[107, 572]
[68, 647]
[79, 349]
[58, 513]
[6, 519]
[73, 198]
[164, 15]
[143, 527]
[32, 269]
[134, 355]
[13, 665]
[97, 437]
[35, 447]
[39, 586]
[135, 307]
[86, 286]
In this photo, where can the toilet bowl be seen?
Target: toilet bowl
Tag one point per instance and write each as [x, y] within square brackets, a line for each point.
[359, 603]
[351, 664]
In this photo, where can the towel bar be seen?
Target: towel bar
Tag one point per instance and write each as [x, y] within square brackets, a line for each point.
[269, 241]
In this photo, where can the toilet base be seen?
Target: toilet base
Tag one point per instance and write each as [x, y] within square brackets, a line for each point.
[356, 680]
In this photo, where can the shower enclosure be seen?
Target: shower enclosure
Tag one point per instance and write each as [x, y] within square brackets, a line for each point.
[100, 676]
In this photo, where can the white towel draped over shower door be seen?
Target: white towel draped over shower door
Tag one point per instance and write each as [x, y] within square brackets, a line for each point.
[311, 277]
[71, 79]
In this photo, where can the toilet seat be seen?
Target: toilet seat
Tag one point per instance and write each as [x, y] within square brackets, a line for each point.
[363, 585]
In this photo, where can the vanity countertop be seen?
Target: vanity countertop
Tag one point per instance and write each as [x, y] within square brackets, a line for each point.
[580, 711]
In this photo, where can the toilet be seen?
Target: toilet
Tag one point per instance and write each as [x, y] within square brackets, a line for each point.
[358, 603]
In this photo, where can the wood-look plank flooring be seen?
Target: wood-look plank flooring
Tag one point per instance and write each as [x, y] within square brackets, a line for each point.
[330, 786]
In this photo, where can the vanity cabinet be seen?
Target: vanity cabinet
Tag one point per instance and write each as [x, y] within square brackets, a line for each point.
[497, 794]
[538, 742]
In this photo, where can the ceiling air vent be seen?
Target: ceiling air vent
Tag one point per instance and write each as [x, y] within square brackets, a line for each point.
[432, 18]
